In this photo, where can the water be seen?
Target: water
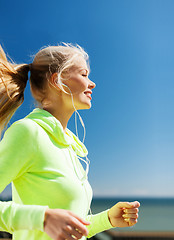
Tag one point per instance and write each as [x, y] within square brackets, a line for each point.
[155, 214]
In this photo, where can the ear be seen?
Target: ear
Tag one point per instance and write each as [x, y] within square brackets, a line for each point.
[54, 81]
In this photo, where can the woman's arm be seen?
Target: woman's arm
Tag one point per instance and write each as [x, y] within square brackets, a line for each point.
[122, 214]
[16, 150]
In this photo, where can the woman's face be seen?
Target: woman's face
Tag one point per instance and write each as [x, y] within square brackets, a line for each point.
[79, 84]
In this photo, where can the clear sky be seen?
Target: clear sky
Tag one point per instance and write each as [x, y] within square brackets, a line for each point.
[130, 127]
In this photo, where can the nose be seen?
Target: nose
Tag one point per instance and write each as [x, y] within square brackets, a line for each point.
[91, 84]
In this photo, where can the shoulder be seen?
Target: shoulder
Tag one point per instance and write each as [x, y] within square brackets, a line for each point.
[22, 129]
[25, 124]
[20, 138]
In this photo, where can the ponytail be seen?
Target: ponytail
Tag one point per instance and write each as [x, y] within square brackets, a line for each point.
[13, 80]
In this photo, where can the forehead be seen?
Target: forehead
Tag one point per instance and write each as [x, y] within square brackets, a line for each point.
[80, 63]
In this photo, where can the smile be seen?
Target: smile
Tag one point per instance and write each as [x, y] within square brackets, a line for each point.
[88, 94]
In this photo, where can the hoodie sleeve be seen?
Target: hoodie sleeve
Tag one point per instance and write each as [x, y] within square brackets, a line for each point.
[99, 223]
[16, 150]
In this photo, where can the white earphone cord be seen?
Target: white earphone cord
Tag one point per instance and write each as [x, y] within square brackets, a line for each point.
[76, 113]
[84, 135]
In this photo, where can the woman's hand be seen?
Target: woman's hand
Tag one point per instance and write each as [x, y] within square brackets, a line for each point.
[62, 224]
[124, 214]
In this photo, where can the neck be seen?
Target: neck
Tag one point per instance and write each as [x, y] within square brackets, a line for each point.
[62, 116]
[59, 106]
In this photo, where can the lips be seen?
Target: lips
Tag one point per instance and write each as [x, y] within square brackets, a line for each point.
[88, 93]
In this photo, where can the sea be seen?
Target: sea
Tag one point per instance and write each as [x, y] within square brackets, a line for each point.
[155, 214]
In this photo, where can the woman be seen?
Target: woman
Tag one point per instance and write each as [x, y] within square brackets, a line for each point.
[40, 156]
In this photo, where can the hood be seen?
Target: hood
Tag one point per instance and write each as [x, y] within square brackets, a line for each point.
[54, 127]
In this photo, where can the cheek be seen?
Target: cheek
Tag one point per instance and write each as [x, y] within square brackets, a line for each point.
[77, 85]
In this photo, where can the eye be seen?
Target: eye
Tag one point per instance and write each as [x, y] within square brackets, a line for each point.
[84, 75]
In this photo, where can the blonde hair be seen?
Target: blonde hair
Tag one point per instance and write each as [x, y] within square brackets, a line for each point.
[13, 77]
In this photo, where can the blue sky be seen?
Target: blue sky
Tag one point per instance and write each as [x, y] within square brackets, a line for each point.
[130, 127]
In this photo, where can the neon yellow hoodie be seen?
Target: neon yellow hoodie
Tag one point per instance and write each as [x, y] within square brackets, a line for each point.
[41, 161]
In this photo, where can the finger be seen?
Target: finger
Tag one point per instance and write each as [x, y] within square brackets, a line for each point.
[67, 236]
[131, 210]
[130, 215]
[78, 225]
[128, 204]
[80, 219]
[131, 221]
[74, 232]
[135, 204]
[77, 234]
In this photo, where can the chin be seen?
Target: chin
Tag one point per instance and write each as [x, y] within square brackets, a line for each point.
[84, 106]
